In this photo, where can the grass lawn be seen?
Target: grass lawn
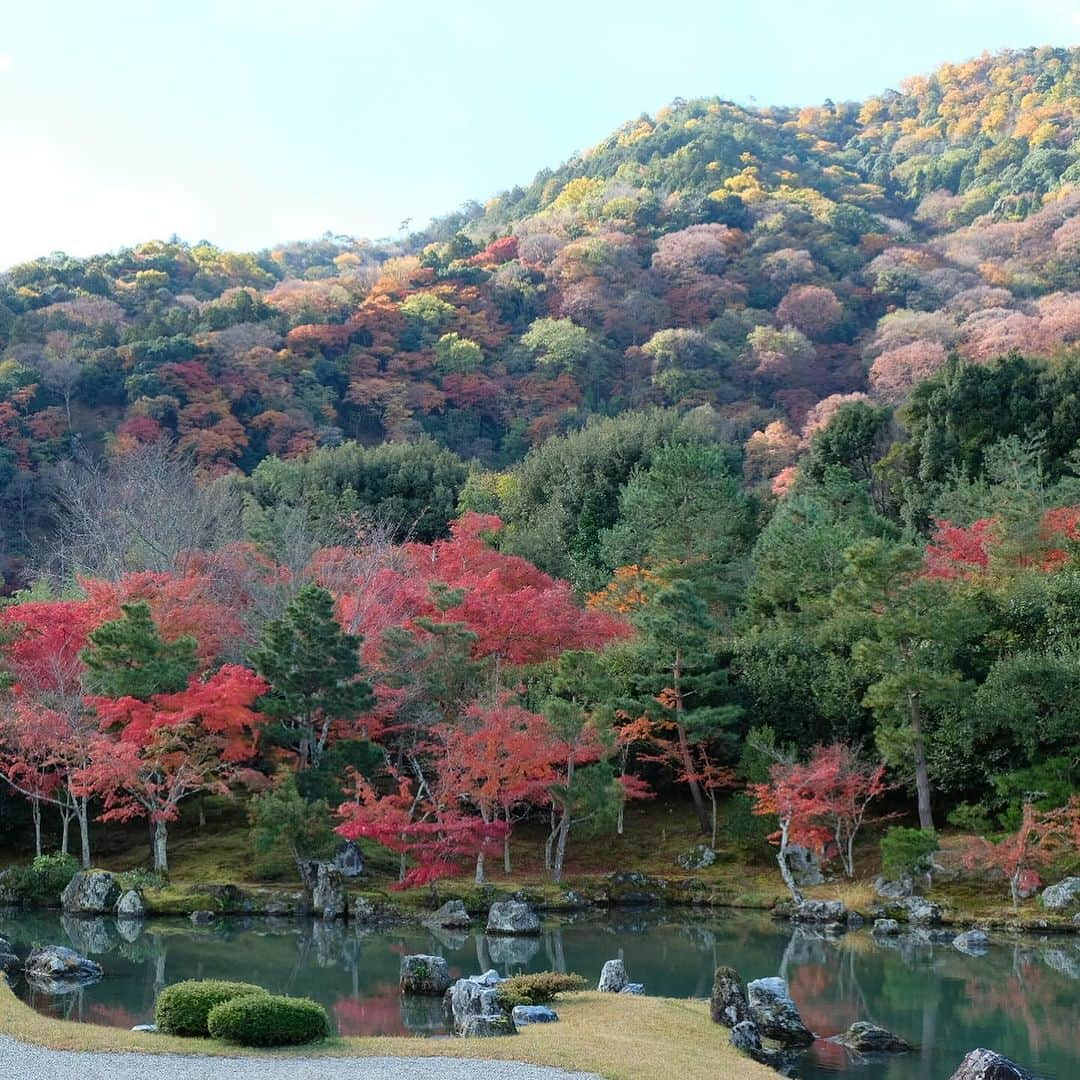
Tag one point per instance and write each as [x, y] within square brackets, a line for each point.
[615, 1035]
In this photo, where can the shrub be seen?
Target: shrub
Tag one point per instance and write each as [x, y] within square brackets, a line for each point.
[748, 832]
[183, 1008]
[44, 879]
[140, 878]
[537, 989]
[267, 1020]
[907, 851]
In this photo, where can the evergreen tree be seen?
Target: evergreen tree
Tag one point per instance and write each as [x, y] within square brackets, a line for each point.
[313, 667]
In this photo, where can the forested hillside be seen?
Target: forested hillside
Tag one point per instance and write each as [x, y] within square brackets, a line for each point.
[744, 421]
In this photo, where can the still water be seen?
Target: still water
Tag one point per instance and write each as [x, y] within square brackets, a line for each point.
[1022, 999]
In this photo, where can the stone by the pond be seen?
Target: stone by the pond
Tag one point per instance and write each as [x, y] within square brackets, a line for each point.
[613, 977]
[328, 897]
[697, 858]
[900, 889]
[451, 914]
[130, 906]
[9, 962]
[91, 892]
[487, 1026]
[922, 912]
[823, 911]
[971, 943]
[728, 1004]
[775, 1014]
[60, 962]
[421, 974]
[983, 1064]
[746, 1037]
[473, 997]
[637, 989]
[885, 928]
[512, 917]
[804, 864]
[202, 917]
[866, 1038]
[533, 1014]
[349, 860]
[146, 1029]
[1063, 895]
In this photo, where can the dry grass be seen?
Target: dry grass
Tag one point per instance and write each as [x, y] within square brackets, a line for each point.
[618, 1036]
[856, 895]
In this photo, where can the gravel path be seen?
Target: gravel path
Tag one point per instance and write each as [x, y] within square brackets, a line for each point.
[21, 1061]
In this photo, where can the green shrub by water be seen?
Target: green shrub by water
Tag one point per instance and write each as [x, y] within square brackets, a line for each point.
[183, 1008]
[267, 1020]
[536, 989]
[907, 851]
[43, 880]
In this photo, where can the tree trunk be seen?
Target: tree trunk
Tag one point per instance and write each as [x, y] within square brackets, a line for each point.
[922, 773]
[161, 841]
[785, 870]
[479, 876]
[65, 830]
[506, 849]
[83, 815]
[35, 805]
[684, 748]
[560, 848]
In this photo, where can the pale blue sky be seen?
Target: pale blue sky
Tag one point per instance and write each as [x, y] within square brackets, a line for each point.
[249, 122]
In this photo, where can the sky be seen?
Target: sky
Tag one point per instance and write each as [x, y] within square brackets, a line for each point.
[252, 122]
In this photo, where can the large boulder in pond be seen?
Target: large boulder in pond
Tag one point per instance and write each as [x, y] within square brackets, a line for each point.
[422, 974]
[1062, 896]
[512, 917]
[452, 915]
[971, 943]
[328, 897]
[91, 892]
[130, 906]
[775, 1014]
[989, 1065]
[728, 1004]
[866, 1038]
[613, 977]
[52, 963]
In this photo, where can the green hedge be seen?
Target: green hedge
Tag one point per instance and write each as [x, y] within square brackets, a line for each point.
[183, 1008]
[536, 989]
[266, 1020]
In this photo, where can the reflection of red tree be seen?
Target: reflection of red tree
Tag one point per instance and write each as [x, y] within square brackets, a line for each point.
[377, 1013]
[809, 986]
[112, 1016]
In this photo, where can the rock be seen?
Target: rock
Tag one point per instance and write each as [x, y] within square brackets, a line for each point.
[989, 1065]
[900, 889]
[90, 892]
[328, 897]
[805, 866]
[697, 858]
[613, 977]
[130, 906]
[348, 860]
[971, 943]
[728, 1004]
[775, 1014]
[746, 1037]
[636, 989]
[1065, 894]
[488, 1026]
[866, 1038]
[202, 917]
[823, 911]
[512, 917]
[146, 1029]
[9, 893]
[422, 974]
[922, 912]
[512, 952]
[363, 910]
[885, 928]
[533, 1014]
[634, 889]
[451, 914]
[473, 997]
[9, 962]
[855, 921]
[56, 962]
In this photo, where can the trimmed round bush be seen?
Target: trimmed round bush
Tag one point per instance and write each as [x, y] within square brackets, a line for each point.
[539, 988]
[183, 1008]
[268, 1020]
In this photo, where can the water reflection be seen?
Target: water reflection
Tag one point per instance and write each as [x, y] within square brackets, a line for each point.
[1021, 998]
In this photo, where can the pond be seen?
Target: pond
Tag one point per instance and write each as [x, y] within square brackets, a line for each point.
[1021, 998]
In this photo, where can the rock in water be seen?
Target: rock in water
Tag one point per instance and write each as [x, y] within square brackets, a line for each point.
[512, 917]
[971, 943]
[9, 962]
[824, 911]
[488, 1025]
[867, 1038]
[746, 1037]
[328, 896]
[728, 1004]
[1063, 895]
[91, 892]
[885, 928]
[202, 917]
[451, 914]
[349, 860]
[613, 977]
[130, 906]
[989, 1065]
[533, 1014]
[775, 1014]
[59, 962]
[422, 974]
